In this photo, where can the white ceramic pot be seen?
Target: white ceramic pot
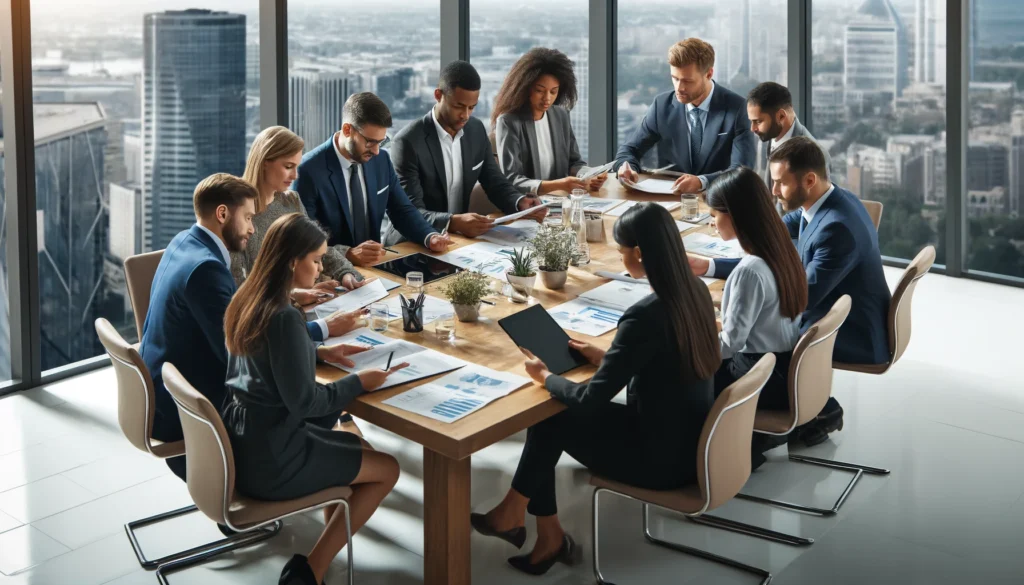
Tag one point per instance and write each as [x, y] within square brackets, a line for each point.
[467, 313]
[522, 284]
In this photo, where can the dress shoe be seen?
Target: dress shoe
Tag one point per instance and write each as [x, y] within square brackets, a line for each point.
[226, 531]
[567, 555]
[816, 431]
[297, 572]
[516, 537]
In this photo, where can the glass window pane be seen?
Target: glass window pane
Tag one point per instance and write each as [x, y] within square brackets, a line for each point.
[5, 307]
[133, 106]
[495, 45]
[389, 47]
[749, 38]
[879, 101]
[995, 144]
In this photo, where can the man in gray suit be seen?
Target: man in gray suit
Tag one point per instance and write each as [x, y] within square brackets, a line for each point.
[772, 119]
[699, 128]
[440, 157]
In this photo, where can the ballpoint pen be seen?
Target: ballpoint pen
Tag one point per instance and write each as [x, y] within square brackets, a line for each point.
[391, 355]
[392, 250]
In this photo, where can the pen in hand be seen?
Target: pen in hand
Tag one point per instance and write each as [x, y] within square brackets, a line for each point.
[391, 355]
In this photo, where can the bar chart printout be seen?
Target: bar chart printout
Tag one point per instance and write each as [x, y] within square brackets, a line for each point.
[458, 394]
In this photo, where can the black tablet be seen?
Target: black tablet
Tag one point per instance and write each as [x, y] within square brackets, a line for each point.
[432, 268]
[538, 332]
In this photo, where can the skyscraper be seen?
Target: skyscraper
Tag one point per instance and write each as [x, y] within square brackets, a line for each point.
[194, 112]
[315, 99]
[930, 42]
[580, 115]
[875, 56]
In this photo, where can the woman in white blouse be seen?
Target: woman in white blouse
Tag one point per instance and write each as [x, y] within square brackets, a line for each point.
[766, 293]
[537, 149]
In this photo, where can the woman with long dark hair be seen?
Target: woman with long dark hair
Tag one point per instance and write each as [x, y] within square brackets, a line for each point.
[766, 292]
[665, 352]
[279, 419]
[536, 147]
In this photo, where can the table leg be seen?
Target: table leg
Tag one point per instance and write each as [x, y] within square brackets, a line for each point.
[446, 527]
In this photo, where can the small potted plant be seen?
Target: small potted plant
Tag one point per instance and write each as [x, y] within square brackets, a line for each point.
[555, 247]
[522, 275]
[465, 290]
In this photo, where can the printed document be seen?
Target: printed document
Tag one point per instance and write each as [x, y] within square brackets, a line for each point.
[712, 247]
[617, 295]
[517, 233]
[514, 216]
[621, 209]
[585, 317]
[423, 362]
[353, 299]
[483, 257]
[458, 394]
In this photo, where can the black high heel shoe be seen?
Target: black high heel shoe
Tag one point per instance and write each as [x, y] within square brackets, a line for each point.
[516, 537]
[567, 555]
[297, 572]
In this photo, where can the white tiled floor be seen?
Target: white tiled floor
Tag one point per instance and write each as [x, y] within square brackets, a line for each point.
[948, 420]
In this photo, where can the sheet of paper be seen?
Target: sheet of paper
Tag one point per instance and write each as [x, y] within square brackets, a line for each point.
[423, 365]
[588, 172]
[685, 225]
[514, 216]
[583, 317]
[361, 336]
[423, 362]
[657, 186]
[483, 257]
[389, 285]
[517, 233]
[708, 281]
[621, 209]
[712, 247]
[353, 299]
[458, 394]
[433, 308]
[617, 295]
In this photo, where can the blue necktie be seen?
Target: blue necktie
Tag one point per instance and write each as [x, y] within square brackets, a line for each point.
[696, 136]
[803, 224]
[359, 223]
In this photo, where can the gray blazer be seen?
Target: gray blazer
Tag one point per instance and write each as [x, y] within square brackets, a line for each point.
[762, 153]
[518, 155]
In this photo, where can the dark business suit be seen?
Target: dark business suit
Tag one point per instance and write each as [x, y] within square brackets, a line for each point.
[280, 419]
[518, 153]
[839, 250]
[322, 187]
[420, 167]
[185, 326]
[727, 141]
[651, 442]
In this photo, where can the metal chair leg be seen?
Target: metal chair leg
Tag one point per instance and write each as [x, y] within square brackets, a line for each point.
[858, 471]
[766, 577]
[131, 527]
[750, 530]
[200, 554]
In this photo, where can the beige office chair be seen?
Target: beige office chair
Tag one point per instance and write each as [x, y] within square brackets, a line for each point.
[723, 466]
[874, 211]
[899, 314]
[139, 271]
[136, 405]
[211, 482]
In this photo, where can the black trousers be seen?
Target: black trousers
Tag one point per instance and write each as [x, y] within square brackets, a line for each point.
[611, 442]
[775, 395]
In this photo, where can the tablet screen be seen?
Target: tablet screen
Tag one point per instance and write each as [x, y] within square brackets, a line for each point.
[432, 268]
[537, 331]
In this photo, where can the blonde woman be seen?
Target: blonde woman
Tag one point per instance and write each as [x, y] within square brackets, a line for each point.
[272, 166]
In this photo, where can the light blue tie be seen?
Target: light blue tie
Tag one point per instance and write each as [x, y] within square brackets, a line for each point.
[696, 136]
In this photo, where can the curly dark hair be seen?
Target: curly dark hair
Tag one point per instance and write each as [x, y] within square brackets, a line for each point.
[514, 95]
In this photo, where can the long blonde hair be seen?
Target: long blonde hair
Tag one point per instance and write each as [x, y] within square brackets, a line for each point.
[271, 144]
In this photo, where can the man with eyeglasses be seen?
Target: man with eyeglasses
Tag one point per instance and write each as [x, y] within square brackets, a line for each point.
[348, 184]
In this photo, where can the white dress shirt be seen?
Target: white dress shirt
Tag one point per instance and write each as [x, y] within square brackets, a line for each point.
[751, 317]
[705, 106]
[777, 141]
[545, 151]
[451, 152]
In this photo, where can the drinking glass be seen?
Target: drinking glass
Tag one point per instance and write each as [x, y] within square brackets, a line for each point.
[690, 207]
[379, 317]
[444, 327]
[414, 280]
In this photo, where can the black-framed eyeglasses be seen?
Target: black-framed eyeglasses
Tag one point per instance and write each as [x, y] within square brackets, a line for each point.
[371, 143]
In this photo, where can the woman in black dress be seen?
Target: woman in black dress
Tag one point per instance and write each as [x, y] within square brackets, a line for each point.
[279, 419]
[665, 352]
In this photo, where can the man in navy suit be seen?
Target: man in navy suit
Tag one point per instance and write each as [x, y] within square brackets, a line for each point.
[191, 291]
[838, 245]
[700, 128]
[348, 183]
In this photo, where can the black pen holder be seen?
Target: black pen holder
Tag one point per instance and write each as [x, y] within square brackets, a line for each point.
[412, 319]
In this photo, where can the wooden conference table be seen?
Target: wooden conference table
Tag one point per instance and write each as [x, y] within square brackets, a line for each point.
[447, 447]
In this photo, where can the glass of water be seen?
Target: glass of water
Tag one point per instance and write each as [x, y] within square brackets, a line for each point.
[379, 317]
[444, 327]
[414, 280]
[690, 206]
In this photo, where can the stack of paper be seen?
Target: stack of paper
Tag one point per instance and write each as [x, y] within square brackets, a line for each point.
[458, 394]
[353, 299]
[423, 362]
[617, 295]
[712, 247]
[588, 172]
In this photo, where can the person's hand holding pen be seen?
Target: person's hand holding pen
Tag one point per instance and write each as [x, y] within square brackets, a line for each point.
[440, 242]
[373, 379]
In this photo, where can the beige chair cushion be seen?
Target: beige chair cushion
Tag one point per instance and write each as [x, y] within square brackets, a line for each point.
[246, 512]
[687, 500]
[139, 271]
[773, 421]
[810, 369]
[874, 209]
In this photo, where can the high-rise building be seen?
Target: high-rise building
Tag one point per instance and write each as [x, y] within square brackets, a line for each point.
[580, 115]
[1016, 194]
[875, 57]
[315, 99]
[71, 219]
[987, 166]
[391, 86]
[194, 112]
[930, 42]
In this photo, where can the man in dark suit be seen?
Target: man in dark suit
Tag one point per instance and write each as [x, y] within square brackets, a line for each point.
[440, 157]
[348, 183]
[838, 245]
[191, 291]
[700, 128]
[773, 120]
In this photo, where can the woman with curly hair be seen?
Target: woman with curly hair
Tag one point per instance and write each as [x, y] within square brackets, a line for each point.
[537, 149]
